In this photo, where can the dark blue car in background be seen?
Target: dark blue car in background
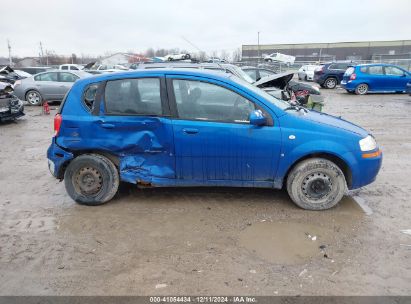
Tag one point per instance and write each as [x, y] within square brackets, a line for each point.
[378, 78]
[182, 127]
[329, 75]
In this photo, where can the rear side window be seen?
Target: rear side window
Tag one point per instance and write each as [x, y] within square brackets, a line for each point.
[133, 97]
[90, 95]
[68, 77]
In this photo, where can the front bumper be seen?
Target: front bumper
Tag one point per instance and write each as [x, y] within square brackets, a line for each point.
[58, 158]
[365, 170]
[13, 110]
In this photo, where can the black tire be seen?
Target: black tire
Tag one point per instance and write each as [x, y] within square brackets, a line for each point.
[34, 98]
[316, 184]
[305, 78]
[269, 60]
[350, 91]
[361, 89]
[170, 59]
[187, 56]
[330, 83]
[91, 179]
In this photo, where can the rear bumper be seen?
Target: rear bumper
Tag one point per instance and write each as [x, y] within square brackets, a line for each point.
[58, 158]
[348, 85]
[319, 79]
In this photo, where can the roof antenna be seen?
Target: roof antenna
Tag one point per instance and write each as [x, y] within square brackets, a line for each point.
[200, 50]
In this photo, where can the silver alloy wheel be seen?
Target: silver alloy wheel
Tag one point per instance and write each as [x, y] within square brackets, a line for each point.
[331, 83]
[362, 89]
[33, 98]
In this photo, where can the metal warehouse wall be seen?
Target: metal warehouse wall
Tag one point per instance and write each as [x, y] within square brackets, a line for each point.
[362, 50]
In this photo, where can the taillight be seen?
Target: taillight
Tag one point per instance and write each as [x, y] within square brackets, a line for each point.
[353, 76]
[57, 124]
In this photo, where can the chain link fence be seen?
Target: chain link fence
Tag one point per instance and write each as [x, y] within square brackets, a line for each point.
[282, 67]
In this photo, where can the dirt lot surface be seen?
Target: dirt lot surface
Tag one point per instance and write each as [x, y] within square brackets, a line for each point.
[211, 240]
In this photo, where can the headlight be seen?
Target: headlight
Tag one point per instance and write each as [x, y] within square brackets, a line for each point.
[368, 143]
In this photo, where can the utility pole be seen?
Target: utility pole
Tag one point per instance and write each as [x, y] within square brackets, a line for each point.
[41, 53]
[9, 47]
[258, 43]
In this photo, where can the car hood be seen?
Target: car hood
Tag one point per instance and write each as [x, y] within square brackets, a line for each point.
[6, 70]
[276, 80]
[334, 121]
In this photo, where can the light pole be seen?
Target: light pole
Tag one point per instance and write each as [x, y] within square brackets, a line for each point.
[258, 48]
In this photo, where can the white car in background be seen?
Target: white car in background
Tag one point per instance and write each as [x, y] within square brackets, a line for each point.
[278, 57]
[171, 57]
[70, 67]
[306, 72]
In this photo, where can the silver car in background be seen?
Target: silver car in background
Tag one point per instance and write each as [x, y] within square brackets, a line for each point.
[46, 86]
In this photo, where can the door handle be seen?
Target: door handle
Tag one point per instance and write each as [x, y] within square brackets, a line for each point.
[190, 131]
[107, 126]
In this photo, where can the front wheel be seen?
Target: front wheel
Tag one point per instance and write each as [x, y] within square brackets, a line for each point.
[361, 89]
[91, 179]
[316, 184]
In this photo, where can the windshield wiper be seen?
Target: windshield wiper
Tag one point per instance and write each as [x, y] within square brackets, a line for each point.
[296, 108]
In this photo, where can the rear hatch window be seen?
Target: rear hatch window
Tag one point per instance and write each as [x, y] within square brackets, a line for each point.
[349, 71]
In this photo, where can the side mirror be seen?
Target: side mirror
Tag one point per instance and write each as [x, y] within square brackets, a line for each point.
[257, 118]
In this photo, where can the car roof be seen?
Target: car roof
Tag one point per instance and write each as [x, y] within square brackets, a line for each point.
[76, 72]
[376, 64]
[219, 75]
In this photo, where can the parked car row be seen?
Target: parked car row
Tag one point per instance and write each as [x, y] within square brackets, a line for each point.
[363, 78]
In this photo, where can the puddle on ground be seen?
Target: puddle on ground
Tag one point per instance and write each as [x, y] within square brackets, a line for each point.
[285, 242]
[291, 242]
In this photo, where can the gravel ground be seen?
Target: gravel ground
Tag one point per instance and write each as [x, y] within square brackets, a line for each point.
[206, 240]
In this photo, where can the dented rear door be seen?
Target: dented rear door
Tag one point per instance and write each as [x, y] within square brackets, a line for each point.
[135, 126]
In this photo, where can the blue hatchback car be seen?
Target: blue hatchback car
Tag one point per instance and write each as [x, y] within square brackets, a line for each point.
[182, 127]
[379, 78]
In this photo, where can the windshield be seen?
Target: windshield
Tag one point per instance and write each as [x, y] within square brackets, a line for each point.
[243, 74]
[282, 104]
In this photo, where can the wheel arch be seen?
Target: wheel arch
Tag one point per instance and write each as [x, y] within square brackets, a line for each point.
[112, 157]
[342, 164]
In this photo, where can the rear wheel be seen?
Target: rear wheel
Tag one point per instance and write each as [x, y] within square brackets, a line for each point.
[34, 98]
[361, 89]
[330, 83]
[316, 184]
[91, 179]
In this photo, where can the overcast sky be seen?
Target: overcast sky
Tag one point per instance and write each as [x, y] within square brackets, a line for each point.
[95, 27]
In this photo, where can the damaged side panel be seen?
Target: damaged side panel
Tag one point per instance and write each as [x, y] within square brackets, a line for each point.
[143, 145]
